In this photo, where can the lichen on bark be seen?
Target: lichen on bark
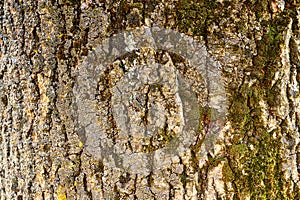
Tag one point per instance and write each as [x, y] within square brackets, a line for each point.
[43, 43]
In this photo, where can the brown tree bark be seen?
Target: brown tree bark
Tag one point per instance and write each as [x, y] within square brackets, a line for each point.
[43, 153]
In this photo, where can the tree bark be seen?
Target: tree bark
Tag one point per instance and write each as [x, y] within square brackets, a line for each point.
[256, 45]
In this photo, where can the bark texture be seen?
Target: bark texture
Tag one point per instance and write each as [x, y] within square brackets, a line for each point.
[257, 44]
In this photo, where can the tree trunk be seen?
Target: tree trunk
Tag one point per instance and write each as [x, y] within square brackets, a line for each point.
[47, 150]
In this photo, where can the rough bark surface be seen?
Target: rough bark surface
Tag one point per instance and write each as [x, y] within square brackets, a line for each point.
[42, 152]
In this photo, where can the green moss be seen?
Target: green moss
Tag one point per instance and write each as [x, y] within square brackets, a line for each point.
[228, 175]
[191, 16]
[264, 168]
[259, 170]
[238, 150]
[256, 171]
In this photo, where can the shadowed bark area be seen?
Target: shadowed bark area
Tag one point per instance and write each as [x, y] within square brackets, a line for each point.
[42, 150]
